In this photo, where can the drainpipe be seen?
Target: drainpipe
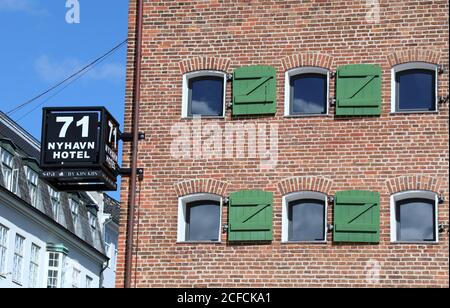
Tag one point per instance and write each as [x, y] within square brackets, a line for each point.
[134, 146]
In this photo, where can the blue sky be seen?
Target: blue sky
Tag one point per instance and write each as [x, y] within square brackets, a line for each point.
[39, 48]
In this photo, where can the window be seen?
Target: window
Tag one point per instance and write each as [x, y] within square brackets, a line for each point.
[204, 94]
[53, 276]
[34, 266]
[10, 175]
[89, 281]
[304, 217]
[114, 259]
[18, 259]
[75, 278]
[55, 198]
[3, 249]
[92, 221]
[199, 218]
[74, 208]
[414, 87]
[306, 91]
[414, 217]
[32, 180]
[63, 271]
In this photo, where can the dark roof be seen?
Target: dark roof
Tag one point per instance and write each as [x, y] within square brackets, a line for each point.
[9, 129]
[112, 207]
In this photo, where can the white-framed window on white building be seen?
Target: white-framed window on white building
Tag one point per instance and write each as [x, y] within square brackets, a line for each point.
[10, 175]
[76, 278]
[55, 198]
[56, 265]
[54, 270]
[74, 208]
[3, 249]
[306, 91]
[32, 181]
[414, 217]
[204, 94]
[108, 253]
[199, 218]
[414, 87]
[18, 259]
[64, 266]
[89, 282]
[34, 266]
[304, 217]
[92, 221]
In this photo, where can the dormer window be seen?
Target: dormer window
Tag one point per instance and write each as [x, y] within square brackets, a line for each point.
[10, 175]
[32, 181]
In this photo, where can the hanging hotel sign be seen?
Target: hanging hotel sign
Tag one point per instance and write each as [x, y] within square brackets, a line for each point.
[79, 149]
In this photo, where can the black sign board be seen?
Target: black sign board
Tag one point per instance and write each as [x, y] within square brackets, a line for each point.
[79, 149]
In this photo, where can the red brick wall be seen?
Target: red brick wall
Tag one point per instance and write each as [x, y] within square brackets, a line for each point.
[387, 154]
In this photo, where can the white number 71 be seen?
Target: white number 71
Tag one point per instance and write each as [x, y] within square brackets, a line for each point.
[84, 122]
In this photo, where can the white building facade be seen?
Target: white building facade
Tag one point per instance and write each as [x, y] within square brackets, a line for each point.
[48, 239]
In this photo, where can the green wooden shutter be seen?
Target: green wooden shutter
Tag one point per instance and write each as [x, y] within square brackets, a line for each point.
[357, 216]
[254, 90]
[358, 90]
[250, 216]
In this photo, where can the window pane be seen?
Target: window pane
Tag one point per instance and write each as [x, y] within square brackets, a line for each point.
[415, 220]
[203, 221]
[309, 94]
[3, 247]
[206, 96]
[307, 220]
[416, 90]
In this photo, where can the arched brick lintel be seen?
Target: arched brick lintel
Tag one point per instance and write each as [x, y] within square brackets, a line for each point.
[204, 63]
[307, 59]
[295, 184]
[196, 186]
[413, 55]
[413, 182]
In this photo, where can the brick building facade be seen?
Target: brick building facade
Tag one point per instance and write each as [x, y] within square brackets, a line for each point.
[389, 153]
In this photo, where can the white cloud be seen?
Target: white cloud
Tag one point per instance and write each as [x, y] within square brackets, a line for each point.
[27, 6]
[53, 71]
[307, 106]
[203, 108]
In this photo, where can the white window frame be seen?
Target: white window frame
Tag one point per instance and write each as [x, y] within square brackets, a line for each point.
[76, 274]
[18, 259]
[411, 194]
[33, 185]
[287, 88]
[10, 175]
[92, 221]
[185, 94]
[4, 232]
[57, 269]
[410, 66]
[285, 217]
[75, 210]
[35, 252]
[55, 199]
[89, 282]
[182, 202]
